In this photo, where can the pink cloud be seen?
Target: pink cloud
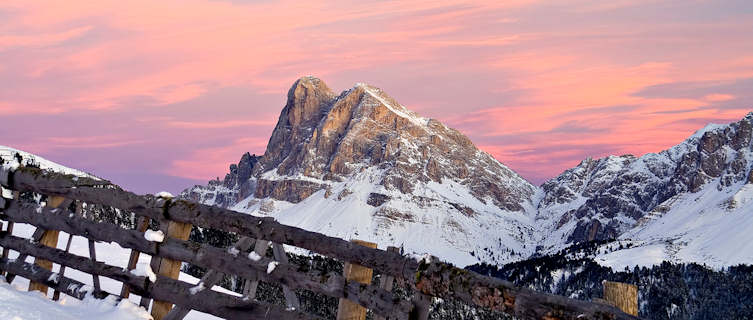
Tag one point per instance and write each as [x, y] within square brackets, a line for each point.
[40, 40]
[206, 163]
[218, 124]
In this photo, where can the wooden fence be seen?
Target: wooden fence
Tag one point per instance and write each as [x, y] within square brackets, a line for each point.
[428, 277]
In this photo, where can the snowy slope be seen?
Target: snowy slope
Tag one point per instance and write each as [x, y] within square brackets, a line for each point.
[690, 203]
[8, 156]
[710, 226]
[432, 226]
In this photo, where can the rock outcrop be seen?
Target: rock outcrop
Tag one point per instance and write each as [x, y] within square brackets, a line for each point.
[601, 199]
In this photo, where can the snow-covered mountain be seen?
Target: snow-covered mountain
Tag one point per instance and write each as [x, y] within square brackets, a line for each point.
[360, 165]
[13, 157]
[689, 203]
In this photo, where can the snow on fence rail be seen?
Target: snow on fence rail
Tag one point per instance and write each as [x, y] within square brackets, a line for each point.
[428, 276]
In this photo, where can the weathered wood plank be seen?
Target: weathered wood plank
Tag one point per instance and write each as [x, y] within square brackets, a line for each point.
[164, 288]
[63, 284]
[372, 297]
[6, 176]
[387, 281]
[346, 309]
[252, 283]
[291, 299]
[141, 226]
[421, 304]
[50, 239]
[35, 237]
[93, 257]
[211, 278]
[622, 295]
[61, 272]
[168, 267]
[8, 225]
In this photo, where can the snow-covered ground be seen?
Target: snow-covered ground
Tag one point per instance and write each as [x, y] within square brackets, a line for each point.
[16, 304]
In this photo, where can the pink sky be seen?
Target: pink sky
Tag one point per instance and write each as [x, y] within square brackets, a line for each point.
[159, 95]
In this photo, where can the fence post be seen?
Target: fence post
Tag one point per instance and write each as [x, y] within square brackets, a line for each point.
[622, 295]
[168, 267]
[8, 227]
[50, 239]
[387, 281]
[141, 226]
[346, 309]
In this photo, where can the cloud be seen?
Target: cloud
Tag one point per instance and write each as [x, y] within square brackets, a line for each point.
[218, 125]
[9, 41]
[215, 160]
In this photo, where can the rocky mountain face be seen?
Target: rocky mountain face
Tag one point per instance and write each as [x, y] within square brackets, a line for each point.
[704, 178]
[360, 165]
[236, 185]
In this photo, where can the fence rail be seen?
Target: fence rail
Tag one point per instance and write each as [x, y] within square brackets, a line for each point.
[429, 277]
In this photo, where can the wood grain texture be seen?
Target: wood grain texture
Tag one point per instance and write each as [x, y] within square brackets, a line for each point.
[50, 239]
[346, 309]
[622, 295]
[168, 267]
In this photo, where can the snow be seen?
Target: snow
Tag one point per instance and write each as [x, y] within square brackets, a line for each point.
[708, 128]
[164, 194]
[195, 289]
[643, 256]
[271, 266]
[154, 236]
[21, 305]
[398, 110]
[7, 154]
[147, 270]
[711, 227]
[144, 270]
[254, 256]
[450, 236]
[233, 251]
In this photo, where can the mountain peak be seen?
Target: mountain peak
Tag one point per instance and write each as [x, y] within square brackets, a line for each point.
[308, 101]
[359, 164]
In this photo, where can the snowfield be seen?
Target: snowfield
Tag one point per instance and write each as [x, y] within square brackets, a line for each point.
[16, 304]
